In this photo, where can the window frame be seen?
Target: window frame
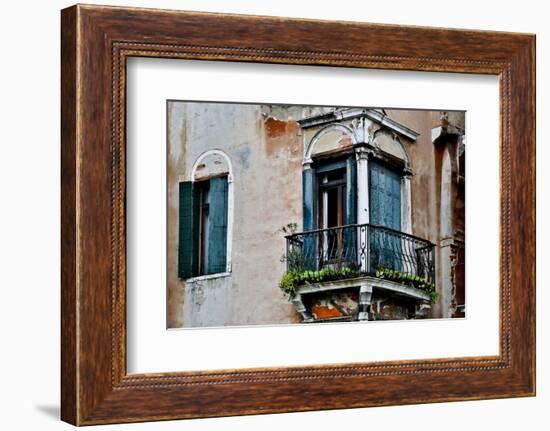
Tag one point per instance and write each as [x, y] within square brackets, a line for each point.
[192, 177]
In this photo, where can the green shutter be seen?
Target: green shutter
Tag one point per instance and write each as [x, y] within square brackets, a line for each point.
[188, 261]
[217, 220]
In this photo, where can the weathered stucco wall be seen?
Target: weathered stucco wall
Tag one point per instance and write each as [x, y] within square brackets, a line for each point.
[265, 144]
[423, 182]
[428, 219]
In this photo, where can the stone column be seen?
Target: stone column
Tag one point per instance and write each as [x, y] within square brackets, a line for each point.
[446, 290]
[406, 205]
[362, 158]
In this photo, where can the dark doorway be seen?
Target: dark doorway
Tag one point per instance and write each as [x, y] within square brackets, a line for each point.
[332, 214]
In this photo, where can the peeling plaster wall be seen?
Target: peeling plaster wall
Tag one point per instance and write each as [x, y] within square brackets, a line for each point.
[266, 145]
[207, 302]
[423, 182]
[176, 155]
[427, 218]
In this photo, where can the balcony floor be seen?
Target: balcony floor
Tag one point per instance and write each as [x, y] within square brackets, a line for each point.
[369, 281]
[366, 285]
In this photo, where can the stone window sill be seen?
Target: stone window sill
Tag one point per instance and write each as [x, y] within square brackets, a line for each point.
[208, 277]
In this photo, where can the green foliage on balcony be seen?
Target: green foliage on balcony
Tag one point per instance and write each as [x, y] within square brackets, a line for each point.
[411, 280]
[292, 280]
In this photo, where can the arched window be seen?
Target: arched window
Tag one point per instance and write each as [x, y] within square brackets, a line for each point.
[205, 217]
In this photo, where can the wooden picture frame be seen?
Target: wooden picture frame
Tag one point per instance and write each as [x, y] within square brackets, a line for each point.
[95, 43]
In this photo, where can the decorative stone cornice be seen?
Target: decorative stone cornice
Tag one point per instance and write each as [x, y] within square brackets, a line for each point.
[351, 113]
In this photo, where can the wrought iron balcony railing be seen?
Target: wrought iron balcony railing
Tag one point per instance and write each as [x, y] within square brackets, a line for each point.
[366, 248]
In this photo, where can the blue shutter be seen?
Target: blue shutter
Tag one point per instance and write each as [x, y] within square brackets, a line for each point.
[309, 250]
[188, 238]
[217, 225]
[385, 210]
[384, 196]
[308, 186]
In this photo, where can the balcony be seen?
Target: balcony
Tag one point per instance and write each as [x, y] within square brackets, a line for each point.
[366, 257]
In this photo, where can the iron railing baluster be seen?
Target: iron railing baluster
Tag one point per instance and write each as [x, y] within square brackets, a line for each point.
[365, 247]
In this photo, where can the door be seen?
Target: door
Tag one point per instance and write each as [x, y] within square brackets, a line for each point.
[385, 211]
[329, 194]
[332, 216]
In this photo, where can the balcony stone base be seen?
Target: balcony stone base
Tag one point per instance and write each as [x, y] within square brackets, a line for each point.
[362, 298]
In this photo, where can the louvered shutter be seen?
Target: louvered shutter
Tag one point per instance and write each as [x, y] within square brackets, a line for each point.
[309, 251]
[188, 262]
[385, 210]
[217, 225]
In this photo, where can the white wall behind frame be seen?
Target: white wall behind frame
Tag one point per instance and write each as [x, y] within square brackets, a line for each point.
[31, 73]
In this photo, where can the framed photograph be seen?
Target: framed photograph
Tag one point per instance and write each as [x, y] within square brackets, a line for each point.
[260, 217]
